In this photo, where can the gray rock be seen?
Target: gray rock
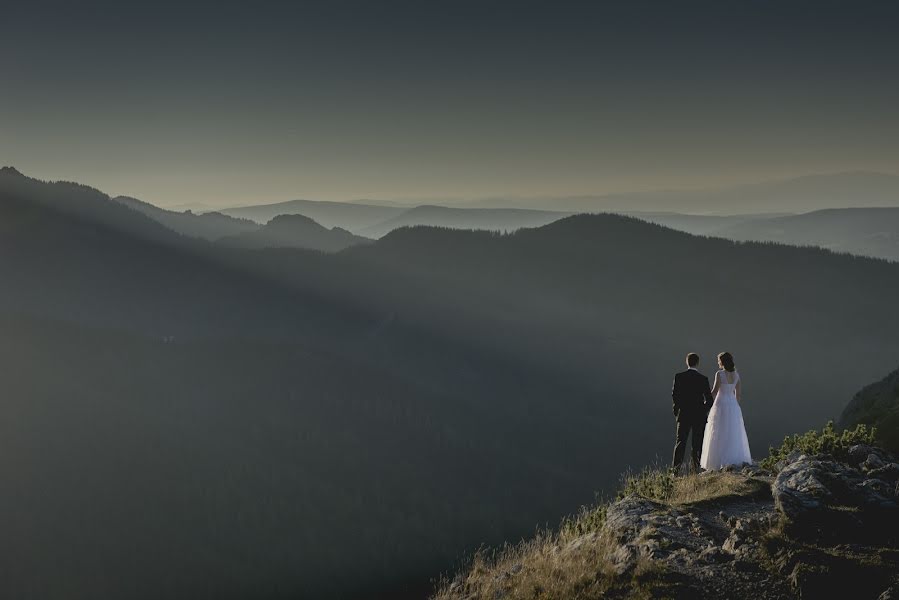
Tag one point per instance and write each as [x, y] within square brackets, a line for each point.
[799, 487]
[859, 452]
[872, 462]
[788, 460]
[879, 493]
[889, 472]
[813, 493]
[647, 530]
[751, 470]
[629, 520]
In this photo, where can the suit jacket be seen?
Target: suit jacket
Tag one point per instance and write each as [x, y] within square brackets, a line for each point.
[691, 395]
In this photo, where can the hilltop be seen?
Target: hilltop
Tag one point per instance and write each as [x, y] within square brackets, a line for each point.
[347, 215]
[818, 519]
[295, 231]
[496, 219]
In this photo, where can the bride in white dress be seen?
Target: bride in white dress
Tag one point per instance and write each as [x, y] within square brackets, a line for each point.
[725, 442]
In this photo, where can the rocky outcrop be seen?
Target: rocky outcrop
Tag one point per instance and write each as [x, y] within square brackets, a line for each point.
[709, 549]
[828, 529]
[819, 527]
[824, 499]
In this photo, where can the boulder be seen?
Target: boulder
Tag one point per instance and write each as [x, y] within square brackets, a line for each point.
[821, 497]
[872, 462]
[861, 453]
[800, 486]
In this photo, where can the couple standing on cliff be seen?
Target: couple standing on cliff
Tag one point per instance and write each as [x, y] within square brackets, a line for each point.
[711, 413]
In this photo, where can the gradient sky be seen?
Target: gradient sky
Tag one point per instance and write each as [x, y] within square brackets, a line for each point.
[236, 103]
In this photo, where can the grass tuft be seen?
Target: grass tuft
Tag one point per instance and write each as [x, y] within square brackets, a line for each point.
[662, 486]
[547, 567]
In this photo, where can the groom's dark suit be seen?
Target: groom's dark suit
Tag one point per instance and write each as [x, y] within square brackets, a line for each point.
[692, 399]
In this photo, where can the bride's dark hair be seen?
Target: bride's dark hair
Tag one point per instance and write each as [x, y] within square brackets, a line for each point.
[727, 361]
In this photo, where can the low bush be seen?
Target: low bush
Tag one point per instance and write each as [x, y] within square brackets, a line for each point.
[827, 441]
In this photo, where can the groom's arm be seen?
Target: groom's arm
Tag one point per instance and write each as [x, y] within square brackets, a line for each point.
[707, 393]
[675, 397]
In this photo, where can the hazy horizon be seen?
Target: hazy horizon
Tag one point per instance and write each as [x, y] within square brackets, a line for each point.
[223, 106]
[543, 200]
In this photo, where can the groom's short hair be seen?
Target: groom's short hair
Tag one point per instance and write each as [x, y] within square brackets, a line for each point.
[692, 359]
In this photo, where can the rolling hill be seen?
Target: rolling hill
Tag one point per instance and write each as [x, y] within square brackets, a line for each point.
[346, 215]
[295, 231]
[208, 225]
[698, 224]
[863, 231]
[498, 219]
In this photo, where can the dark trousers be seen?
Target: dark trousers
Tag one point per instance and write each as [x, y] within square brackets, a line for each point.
[685, 425]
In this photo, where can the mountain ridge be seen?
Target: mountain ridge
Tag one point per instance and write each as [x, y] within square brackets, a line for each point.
[208, 225]
[295, 231]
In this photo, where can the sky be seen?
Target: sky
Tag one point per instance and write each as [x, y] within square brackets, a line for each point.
[229, 103]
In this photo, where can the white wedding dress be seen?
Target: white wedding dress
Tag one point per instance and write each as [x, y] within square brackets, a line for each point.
[725, 442]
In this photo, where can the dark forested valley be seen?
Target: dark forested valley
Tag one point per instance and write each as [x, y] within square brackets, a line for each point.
[281, 422]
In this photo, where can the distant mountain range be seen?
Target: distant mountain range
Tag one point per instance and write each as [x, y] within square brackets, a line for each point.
[759, 212]
[275, 422]
[799, 194]
[870, 232]
[697, 224]
[863, 231]
[284, 231]
[350, 216]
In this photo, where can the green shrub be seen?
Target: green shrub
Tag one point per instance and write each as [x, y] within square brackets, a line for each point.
[827, 441]
[654, 484]
[588, 520]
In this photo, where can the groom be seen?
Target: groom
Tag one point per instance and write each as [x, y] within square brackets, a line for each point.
[692, 400]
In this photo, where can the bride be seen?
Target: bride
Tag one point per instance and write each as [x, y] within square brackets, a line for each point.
[725, 442]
